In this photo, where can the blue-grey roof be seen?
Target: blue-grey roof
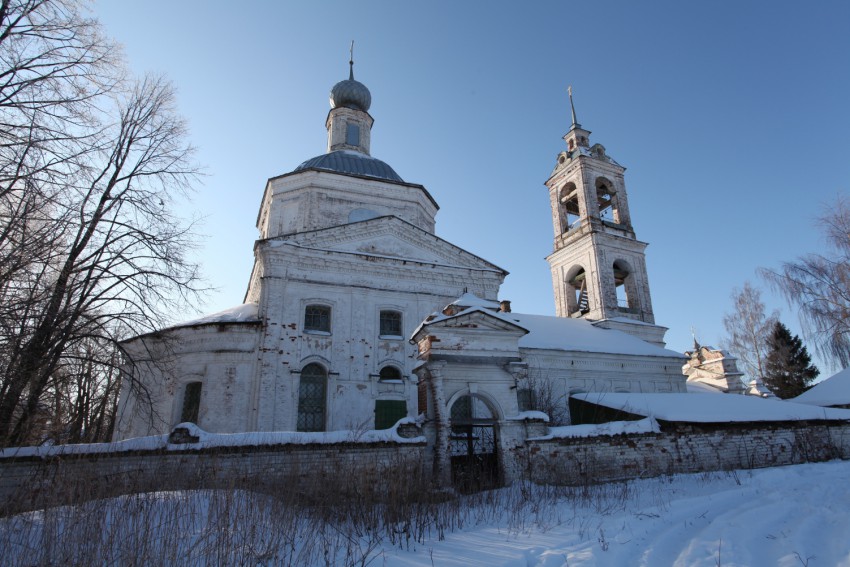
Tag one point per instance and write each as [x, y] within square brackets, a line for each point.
[342, 161]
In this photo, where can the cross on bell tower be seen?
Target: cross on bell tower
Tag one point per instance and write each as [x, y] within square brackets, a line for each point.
[598, 266]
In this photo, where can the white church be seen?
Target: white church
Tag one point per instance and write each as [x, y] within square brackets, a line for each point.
[358, 315]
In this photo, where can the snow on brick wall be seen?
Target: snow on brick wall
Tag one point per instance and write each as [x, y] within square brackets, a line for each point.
[28, 482]
[679, 449]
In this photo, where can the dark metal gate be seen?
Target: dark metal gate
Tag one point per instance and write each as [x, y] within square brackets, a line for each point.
[472, 446]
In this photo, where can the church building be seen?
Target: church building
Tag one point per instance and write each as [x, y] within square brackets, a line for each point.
[358, 315]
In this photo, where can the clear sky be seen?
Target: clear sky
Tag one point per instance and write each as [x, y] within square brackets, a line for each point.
[731, 118]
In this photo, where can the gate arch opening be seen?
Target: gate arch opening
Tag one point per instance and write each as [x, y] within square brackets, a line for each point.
[472, 445]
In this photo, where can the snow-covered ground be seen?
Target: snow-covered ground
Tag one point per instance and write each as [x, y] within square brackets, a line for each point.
[790, 516]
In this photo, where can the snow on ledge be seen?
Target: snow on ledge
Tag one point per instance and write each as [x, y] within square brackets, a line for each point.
[238, 314]
[209, 440]
[529, 416]
[700, 408]
[647, 425]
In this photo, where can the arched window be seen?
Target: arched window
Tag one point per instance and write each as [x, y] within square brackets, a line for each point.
[389, 374]
[568, 202]
[606, 198]
[312, 398]
[390, 323]
[317, 319]
[578, 300]
[191, 402]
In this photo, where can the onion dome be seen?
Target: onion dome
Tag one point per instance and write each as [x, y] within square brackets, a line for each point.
[351, 93]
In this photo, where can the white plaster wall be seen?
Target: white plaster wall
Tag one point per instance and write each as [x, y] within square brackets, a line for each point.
[605, 372]
[312, 200]
[356, 288]
[221, 357]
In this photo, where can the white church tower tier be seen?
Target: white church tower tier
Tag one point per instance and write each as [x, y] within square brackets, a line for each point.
[349, 123]
[598, 266]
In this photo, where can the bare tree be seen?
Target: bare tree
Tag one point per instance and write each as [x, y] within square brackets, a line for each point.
[819, 286]
[90, 251]
[748, 329]
[55, 67]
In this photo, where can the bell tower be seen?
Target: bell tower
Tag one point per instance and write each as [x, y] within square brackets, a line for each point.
[598, 266]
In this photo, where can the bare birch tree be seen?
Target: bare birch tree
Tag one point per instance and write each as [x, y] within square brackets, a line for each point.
[819, 286]
[748, 329]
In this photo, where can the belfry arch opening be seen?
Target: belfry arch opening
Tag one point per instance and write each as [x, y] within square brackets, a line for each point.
[568, 203]
[624, 283]
[606, 200]
[578, 300]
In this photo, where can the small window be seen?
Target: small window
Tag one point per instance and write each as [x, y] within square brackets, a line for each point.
[390, 324]
[191, 403]
[525, 399]
[389, 374]
[317, 319]
[388, 412]
[352, 135]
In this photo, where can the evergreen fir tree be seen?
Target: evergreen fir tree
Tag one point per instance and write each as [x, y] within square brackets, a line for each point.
[788, 369]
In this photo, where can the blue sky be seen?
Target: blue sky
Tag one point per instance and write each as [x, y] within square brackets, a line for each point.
[731, 119]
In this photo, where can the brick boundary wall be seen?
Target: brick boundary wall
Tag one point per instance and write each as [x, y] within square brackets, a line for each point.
[27, 483]
[305, 471]
[681, 448]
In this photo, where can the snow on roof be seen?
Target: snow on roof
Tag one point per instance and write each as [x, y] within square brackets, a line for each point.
[647, 425]
[238, 314]
[209, 440]
[472, 300]
[563, 333]
[833, 391]
[439, 317]
[628, 320]
[530, 415]
[691, 408]
[695, 387]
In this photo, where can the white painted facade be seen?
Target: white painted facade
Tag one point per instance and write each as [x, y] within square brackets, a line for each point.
[355, 244]
[345, 244]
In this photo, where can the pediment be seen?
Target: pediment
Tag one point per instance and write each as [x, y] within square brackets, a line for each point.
[390, 237]
[391, 245]
[475, 318]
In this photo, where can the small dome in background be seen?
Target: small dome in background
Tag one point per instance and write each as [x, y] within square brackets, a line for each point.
[351, 94]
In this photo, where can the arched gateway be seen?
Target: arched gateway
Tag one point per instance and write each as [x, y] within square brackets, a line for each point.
[472, 445]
